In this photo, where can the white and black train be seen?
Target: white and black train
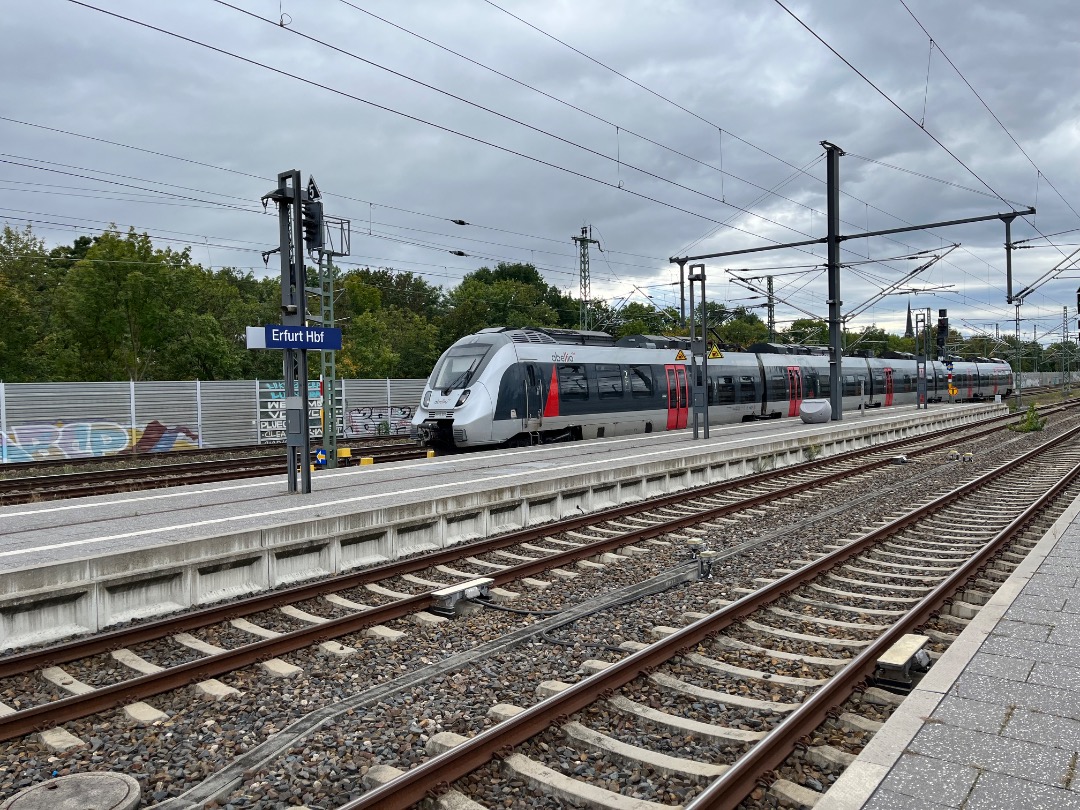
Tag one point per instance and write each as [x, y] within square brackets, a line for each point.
[528, 386]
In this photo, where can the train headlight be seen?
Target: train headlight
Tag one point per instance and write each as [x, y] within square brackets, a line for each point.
[463, 398]
[427, 399]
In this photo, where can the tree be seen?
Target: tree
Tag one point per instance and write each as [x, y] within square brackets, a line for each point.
[636, 318]
[511, 295]
[744, 328]
[27, 282]
[807, 330]
[395, 343]
[114, 303]
[397, 289]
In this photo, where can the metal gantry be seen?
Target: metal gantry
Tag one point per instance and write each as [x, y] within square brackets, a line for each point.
[832, 240]
[585, 283]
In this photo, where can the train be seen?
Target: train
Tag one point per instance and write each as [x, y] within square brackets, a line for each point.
[508, 386]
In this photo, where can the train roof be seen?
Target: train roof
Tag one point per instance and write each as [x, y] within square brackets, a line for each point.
[551, 335]
[653, 342]
[786, 348]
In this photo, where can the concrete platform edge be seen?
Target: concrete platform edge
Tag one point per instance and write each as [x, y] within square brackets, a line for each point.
[858, 783]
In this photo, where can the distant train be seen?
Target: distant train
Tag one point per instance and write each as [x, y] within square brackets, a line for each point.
[506, 386]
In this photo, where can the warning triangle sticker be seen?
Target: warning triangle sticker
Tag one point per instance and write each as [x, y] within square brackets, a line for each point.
[715, 354]
[680, 355]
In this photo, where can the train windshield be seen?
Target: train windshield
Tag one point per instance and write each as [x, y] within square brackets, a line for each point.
[458, 366]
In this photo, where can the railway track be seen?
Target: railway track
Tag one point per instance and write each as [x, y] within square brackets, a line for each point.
[879, 598]
[28, 489]
[299, 619]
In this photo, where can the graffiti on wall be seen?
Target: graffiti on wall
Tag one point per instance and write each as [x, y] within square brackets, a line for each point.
[92, 439]
[378, 420]
[272, 410]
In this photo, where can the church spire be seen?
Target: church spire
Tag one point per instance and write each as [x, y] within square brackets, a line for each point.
[909, 332]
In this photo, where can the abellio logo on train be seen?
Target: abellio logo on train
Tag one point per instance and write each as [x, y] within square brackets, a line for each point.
[565, 357]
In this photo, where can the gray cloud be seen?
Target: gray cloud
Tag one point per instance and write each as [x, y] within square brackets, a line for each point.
[748, 68]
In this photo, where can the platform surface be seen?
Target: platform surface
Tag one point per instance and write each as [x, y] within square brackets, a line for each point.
[52, 532]
[995, 724]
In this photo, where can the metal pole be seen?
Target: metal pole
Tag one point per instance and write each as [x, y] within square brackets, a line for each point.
[300, 301]
[682, 293]
[832, 158]
[920, 361]
[329, 361]
[1019, 361]
[772, 308]
[3, 423]
[1007, 219]
[585, 283]
[704, 387]
[198, 410]
[134, 429]
[693, 357]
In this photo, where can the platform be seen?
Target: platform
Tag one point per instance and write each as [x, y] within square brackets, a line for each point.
[995, 723]
[81, 565]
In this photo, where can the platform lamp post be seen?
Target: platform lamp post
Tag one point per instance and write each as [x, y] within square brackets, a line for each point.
[699, 382]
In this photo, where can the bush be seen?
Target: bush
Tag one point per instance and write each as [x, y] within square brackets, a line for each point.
[1030, 423]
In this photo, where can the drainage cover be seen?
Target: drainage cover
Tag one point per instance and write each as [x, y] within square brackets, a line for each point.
[97, 790]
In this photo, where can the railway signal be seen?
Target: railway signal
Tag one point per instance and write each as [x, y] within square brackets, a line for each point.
[942, 330]
[313, 224]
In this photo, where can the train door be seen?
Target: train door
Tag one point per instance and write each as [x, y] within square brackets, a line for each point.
[888, 387]
[684, 395]
[676, 396]
[795, 389]
[532, 418]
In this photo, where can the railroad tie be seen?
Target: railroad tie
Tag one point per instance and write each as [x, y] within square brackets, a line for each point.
[379, 775]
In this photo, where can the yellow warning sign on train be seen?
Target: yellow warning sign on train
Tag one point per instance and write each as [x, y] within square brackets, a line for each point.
[680, 355]
[715, 354]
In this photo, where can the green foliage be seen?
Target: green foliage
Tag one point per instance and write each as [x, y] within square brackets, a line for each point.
[396, 343]
[1031, 422]
[510, 295]
[115, 307]
[807, 330]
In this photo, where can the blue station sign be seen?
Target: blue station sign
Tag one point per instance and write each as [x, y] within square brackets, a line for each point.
[273, 336]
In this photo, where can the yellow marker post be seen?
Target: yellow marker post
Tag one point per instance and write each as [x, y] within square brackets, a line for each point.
[365, 460]
[431, 454]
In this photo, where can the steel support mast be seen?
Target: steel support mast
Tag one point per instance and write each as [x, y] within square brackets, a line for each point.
[585, 282]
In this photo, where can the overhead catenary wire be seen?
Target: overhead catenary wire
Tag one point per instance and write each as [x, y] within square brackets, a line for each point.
[993, 115]
[540, 130]
[388, 206]
[414, 118]
[889, 99]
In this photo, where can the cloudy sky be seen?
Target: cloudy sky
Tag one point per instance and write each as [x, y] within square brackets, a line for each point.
[672, 127]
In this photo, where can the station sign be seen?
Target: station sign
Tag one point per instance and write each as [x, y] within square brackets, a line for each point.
[274, 336]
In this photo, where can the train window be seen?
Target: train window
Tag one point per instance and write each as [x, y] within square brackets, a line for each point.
[778, 388]
[609, 381]
[850, 387]
[722, 391]
[641, 382]
[747, 389]
[573, 384]
[458, 366]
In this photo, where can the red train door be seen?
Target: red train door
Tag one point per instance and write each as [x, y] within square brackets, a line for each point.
[676, 396]
[684, 396]
[888, 387]
[795, 390]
